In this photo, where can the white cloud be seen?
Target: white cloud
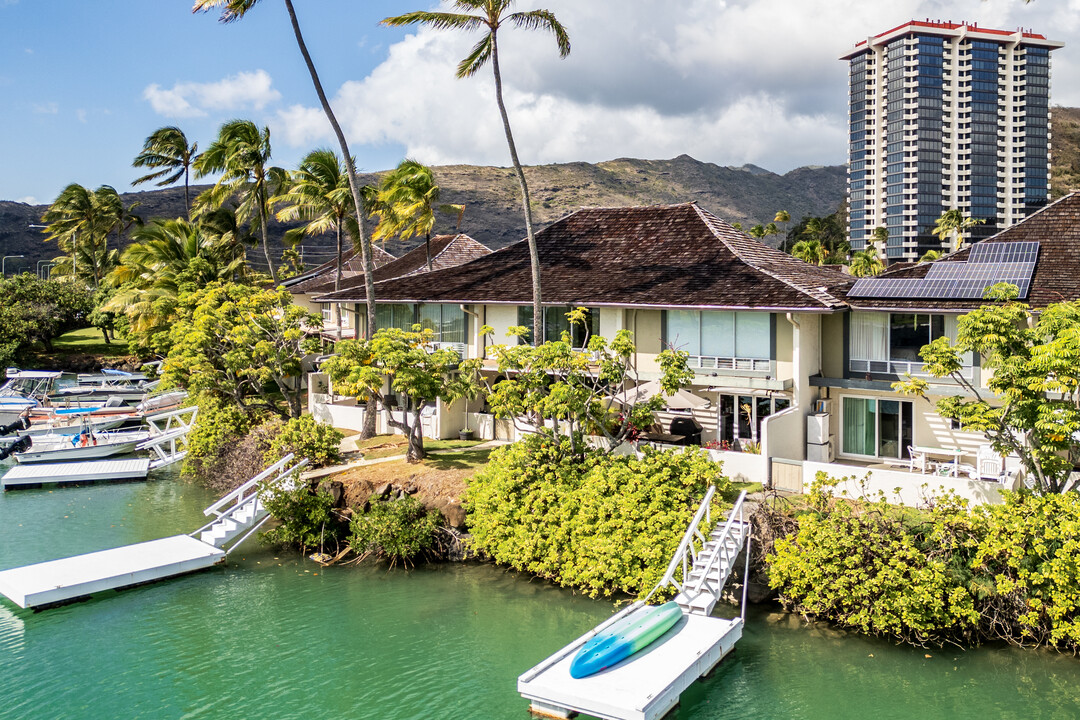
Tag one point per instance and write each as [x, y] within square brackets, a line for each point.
[47, 108]
[80, 114]
[244, 90]
[727, 81]
[29, 200]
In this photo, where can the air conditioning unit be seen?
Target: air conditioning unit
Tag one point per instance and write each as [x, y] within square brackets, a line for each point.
[817, 429]
[821, 453]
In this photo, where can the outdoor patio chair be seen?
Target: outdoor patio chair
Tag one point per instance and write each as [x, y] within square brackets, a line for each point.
[917, 460]
[990, 464]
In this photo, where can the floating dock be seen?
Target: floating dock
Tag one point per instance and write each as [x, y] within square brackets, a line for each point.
[58, 581]
[236, 517]
[645, 686]
[75, 473]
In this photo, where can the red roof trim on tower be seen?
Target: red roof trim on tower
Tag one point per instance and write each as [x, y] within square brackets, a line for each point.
[952, 26]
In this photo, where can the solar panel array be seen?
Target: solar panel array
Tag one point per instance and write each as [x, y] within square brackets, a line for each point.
[987, 264]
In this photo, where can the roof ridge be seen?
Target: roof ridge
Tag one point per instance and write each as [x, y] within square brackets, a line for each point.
[821, 296]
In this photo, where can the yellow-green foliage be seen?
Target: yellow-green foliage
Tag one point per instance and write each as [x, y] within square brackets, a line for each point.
[307, 438]
[1003, 572]
[604, 524]
[1030, 547]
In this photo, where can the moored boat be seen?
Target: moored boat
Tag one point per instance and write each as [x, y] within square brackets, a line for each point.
[87, 445]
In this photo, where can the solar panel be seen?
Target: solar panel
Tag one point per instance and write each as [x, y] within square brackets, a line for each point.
[987, 264]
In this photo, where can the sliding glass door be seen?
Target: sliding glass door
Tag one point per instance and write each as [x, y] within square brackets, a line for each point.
[874, 427]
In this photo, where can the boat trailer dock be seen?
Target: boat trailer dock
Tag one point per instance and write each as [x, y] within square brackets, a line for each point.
[645, 686]
[76, 473]
[57, 581]
[236, 517]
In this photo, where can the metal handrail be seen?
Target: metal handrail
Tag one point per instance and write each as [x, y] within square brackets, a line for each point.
[703, 512]
[239, 492]
[736, 510]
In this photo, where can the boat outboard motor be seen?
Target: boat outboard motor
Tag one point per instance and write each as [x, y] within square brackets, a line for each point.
[22, 423]
[20, 445]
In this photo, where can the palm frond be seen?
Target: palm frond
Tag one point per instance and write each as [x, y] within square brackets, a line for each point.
[437, 20]
[543, 20]
[476, 58]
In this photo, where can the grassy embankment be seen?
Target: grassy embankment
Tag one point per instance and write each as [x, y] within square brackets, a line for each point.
[88, 341]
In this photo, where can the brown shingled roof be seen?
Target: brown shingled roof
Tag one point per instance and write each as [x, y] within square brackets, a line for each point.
[447, 251]
[1055, 227]
[670, 255]
[351, 265]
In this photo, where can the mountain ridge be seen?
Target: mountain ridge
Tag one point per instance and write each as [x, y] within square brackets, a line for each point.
[493, 216]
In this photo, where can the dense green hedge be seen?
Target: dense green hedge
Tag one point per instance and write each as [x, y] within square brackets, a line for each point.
[397, 530]
[952, 573]
[605, 524]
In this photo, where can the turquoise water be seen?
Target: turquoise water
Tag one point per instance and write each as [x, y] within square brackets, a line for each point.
[277, 636]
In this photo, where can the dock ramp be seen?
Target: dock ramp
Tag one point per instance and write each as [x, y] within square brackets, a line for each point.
[236, 517]
[647, 685]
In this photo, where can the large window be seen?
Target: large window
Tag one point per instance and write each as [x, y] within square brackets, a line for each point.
[908, 333]
[874, 427]
[719, 334]
[556, 323]
[447, 321]
[890, 342]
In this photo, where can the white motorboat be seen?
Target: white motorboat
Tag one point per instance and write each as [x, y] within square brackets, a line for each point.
[24, 390]
[87, 445]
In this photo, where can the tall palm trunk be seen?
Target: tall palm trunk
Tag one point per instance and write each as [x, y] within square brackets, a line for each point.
[427, 244]
[265, 236]
[337, 278]
[354, 186]
[534, 256]
[187, 190]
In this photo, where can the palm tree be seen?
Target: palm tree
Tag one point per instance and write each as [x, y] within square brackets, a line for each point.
[407, 200]
[119, 218]
[952, 224]
[232, 10]
[880, 235]
[811, 251]
[930, 256]
[241, 153]
[166, 256]
[866, 263]
[319, 194]
[167, 148]
[491, 15]
[80, 220]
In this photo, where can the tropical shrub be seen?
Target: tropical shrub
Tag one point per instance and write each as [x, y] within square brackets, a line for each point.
[398, 530]
[305, 437]
[606, 524]
[306, 516]
[946, 574]
[220, 424]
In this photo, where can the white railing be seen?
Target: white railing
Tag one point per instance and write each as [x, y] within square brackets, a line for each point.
[733, 530]
[709, 362]
[686, 554]
[179, 419]
[900, 367]
[461, 348]
[228, 505]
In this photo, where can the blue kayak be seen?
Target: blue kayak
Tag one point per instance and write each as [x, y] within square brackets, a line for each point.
[626, 637]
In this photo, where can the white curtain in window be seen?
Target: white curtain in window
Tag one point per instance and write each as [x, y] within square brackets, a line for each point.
[951, 331]
[869, 336]
[753, 335]
[684, 330]
[718, 333]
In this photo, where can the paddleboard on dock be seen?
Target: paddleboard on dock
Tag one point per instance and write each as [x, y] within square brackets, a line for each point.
[626, 637]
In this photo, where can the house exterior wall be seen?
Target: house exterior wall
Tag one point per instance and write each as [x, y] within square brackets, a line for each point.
[833, 344]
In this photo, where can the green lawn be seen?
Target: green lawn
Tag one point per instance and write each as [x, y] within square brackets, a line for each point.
[88, 341]
[382, 446]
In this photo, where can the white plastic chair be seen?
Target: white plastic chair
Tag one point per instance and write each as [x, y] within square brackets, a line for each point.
[990, 464]
[917, 460]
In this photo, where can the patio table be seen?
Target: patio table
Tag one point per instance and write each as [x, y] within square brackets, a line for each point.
[953, 453]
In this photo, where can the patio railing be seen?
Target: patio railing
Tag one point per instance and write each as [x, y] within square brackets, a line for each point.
[899, 367]
[708, 362]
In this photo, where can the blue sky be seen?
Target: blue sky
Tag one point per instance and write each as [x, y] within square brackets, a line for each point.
[83, 82]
